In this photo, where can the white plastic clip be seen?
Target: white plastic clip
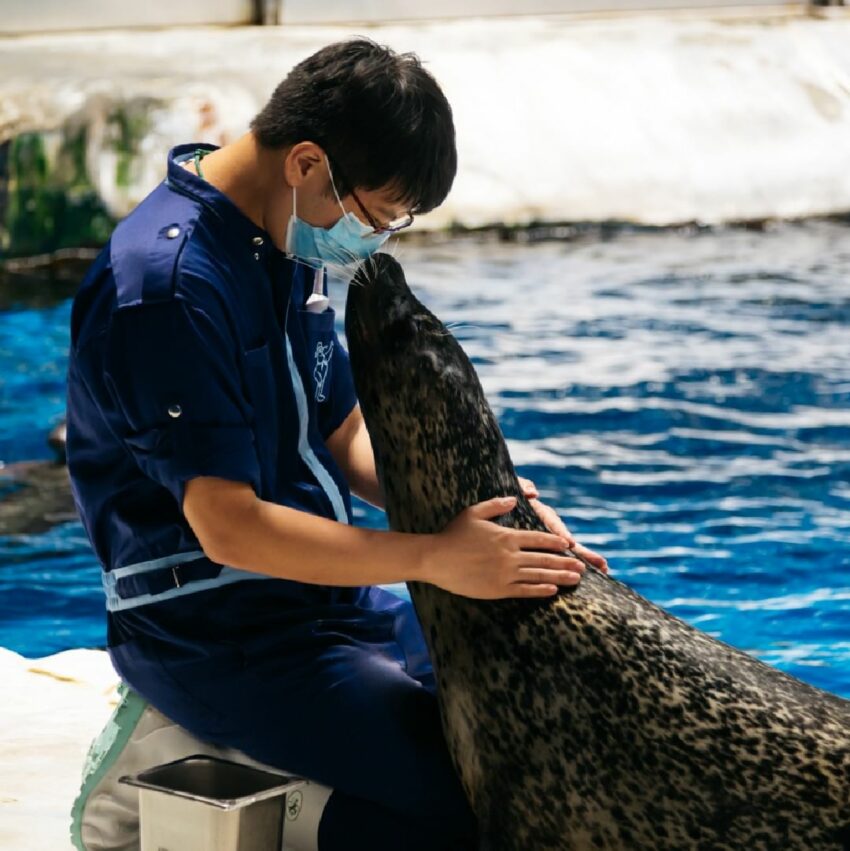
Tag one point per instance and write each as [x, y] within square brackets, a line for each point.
[318, 302]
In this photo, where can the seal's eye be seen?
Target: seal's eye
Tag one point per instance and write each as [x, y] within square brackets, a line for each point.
[401, 331]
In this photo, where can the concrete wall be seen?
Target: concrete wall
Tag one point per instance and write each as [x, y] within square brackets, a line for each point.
[39, 16]
[652, 119]
[26, 16]
[339, 11]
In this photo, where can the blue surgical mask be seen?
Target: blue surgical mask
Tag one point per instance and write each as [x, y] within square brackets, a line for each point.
[348, 241]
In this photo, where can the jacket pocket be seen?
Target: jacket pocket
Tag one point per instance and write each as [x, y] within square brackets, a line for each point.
[318, 331]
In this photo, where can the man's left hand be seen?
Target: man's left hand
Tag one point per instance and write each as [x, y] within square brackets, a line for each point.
[554, 524]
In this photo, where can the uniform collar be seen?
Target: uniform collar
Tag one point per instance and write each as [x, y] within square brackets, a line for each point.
[255, 238]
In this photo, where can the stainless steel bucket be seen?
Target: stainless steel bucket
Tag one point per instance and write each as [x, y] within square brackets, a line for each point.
[203, 803]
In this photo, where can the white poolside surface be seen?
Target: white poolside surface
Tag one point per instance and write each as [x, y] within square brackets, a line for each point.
[50, 711]
[655, 119]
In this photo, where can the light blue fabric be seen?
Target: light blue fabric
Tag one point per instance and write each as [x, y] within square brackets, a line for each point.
[348, 241]
[305, 450]
[115, 603]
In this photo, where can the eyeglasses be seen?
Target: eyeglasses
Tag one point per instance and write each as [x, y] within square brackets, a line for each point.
[392, 226]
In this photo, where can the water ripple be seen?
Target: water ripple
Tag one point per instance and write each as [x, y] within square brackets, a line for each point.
[682, 399]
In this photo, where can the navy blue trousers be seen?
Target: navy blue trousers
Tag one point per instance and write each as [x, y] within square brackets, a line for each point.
[347, 700]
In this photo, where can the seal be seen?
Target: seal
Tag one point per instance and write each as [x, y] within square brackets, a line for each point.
[592, 719]
[34, 496]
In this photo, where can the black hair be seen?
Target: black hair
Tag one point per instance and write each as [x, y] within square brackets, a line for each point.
[378, 114]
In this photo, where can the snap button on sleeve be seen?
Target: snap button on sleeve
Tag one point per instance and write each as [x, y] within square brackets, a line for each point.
[257, 240]
[173, 232]
[175, 411]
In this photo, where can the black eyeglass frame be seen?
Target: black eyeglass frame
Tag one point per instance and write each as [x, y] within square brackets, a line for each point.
[377, 228]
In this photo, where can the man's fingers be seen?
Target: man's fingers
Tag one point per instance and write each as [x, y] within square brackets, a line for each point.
[529, 540]
[524, 589]
[492, 507]
[527, 485]
[560, 564]
[595, 559]
[549, 518]
[549, 577]
[557, 539]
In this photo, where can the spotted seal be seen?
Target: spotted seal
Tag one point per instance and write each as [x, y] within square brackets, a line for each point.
[592, 719]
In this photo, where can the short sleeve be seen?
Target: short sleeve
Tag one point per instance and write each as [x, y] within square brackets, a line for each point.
[173, 372]
[342, 398]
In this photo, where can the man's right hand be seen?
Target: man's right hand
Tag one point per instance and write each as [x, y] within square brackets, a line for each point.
[473, 557]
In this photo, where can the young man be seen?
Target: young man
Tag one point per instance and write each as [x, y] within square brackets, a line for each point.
[214, 434]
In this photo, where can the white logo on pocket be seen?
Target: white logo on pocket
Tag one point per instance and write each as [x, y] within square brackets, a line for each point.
[320, 372]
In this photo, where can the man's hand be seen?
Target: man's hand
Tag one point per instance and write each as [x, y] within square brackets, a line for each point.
[475, 558]
[555, 525]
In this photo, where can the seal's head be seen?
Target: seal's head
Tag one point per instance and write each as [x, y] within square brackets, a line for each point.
[400, 340]
[432, 431]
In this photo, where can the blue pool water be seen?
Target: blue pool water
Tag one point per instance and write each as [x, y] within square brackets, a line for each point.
[683, 400]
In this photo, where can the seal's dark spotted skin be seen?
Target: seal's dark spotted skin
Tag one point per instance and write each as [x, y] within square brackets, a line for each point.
[594, 719]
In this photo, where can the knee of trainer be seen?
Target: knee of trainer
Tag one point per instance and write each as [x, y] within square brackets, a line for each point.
[447, 810]
[355, 824]
[455, 832]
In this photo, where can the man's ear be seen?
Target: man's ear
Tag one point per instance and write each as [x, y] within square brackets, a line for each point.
[303, 161]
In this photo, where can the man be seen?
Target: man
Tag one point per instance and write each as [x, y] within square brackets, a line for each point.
[214, 434]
